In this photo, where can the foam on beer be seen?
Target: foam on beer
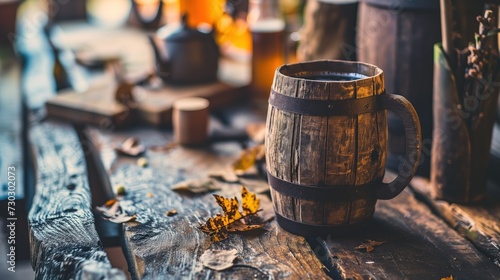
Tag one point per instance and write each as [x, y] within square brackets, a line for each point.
[267, 25]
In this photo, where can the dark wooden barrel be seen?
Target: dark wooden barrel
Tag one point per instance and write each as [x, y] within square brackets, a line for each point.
[325, 151]
[398, 37]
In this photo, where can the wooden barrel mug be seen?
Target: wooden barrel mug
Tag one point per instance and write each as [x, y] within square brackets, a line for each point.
[326, 145]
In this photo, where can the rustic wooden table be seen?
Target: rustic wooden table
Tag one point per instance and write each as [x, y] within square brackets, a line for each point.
[77, 167]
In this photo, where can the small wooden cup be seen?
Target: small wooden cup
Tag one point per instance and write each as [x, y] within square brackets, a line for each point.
[190, 121]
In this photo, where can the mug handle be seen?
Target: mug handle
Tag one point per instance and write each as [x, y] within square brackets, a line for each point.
[403, 108]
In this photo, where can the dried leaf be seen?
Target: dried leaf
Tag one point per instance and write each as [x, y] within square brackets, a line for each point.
[110, 202]
[197, 186]
[122, 218]
[227, 176]
[232, 220]
[369, 245]
[171, 213]
[216, 227]
[256, 132]
[130, 147]
[249, 201]
[109, 211]
[249, 157]
[230, 206]
[218, 259]
[447, 278]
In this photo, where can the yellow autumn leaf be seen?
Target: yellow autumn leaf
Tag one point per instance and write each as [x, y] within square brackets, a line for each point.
[447, 278]
[248, 158]
[219, 226]
[230, 207]
[249, 202]
[214, 224]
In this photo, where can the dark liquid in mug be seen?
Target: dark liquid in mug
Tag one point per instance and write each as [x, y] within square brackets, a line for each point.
[333, 77]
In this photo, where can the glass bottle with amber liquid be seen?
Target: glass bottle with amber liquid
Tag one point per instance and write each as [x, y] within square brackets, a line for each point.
[268, 46]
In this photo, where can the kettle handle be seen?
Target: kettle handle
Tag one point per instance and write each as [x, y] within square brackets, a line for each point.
[151, 23]
[161, 58]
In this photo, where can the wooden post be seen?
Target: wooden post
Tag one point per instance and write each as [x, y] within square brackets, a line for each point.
[329, 31]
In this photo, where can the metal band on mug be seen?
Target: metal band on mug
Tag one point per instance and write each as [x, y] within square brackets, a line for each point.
[321, 193]
[315, 107]
[304, 229]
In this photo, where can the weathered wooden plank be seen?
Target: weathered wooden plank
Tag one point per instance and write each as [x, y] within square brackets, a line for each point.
[418, 245]
[64, 242]
[479, 223]
[382, 128]
[341, 154]
[310, 144]
[281, 161]
[367, 137]
[162, 247]
[341, 144]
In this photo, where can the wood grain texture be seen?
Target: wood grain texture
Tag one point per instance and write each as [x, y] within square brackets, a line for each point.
[418, 245]
[480, 223]
[328, 31]
[64, 242]
[162, 247]
[312, 138]
[281, 155]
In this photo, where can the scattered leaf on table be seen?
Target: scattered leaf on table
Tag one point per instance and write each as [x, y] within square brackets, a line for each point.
[230, 207]
[110, 202]
[447, 278]
[219, 226]
[249, 157]
[130, 147]
[218, 259]
[122, 218]
[109, 211]
[171, 213]
[113, 213]
[216, 227]
[249, 202]
[227, 176]
[256, 132]
[197, 186]
[369, 245]
[142, 162]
